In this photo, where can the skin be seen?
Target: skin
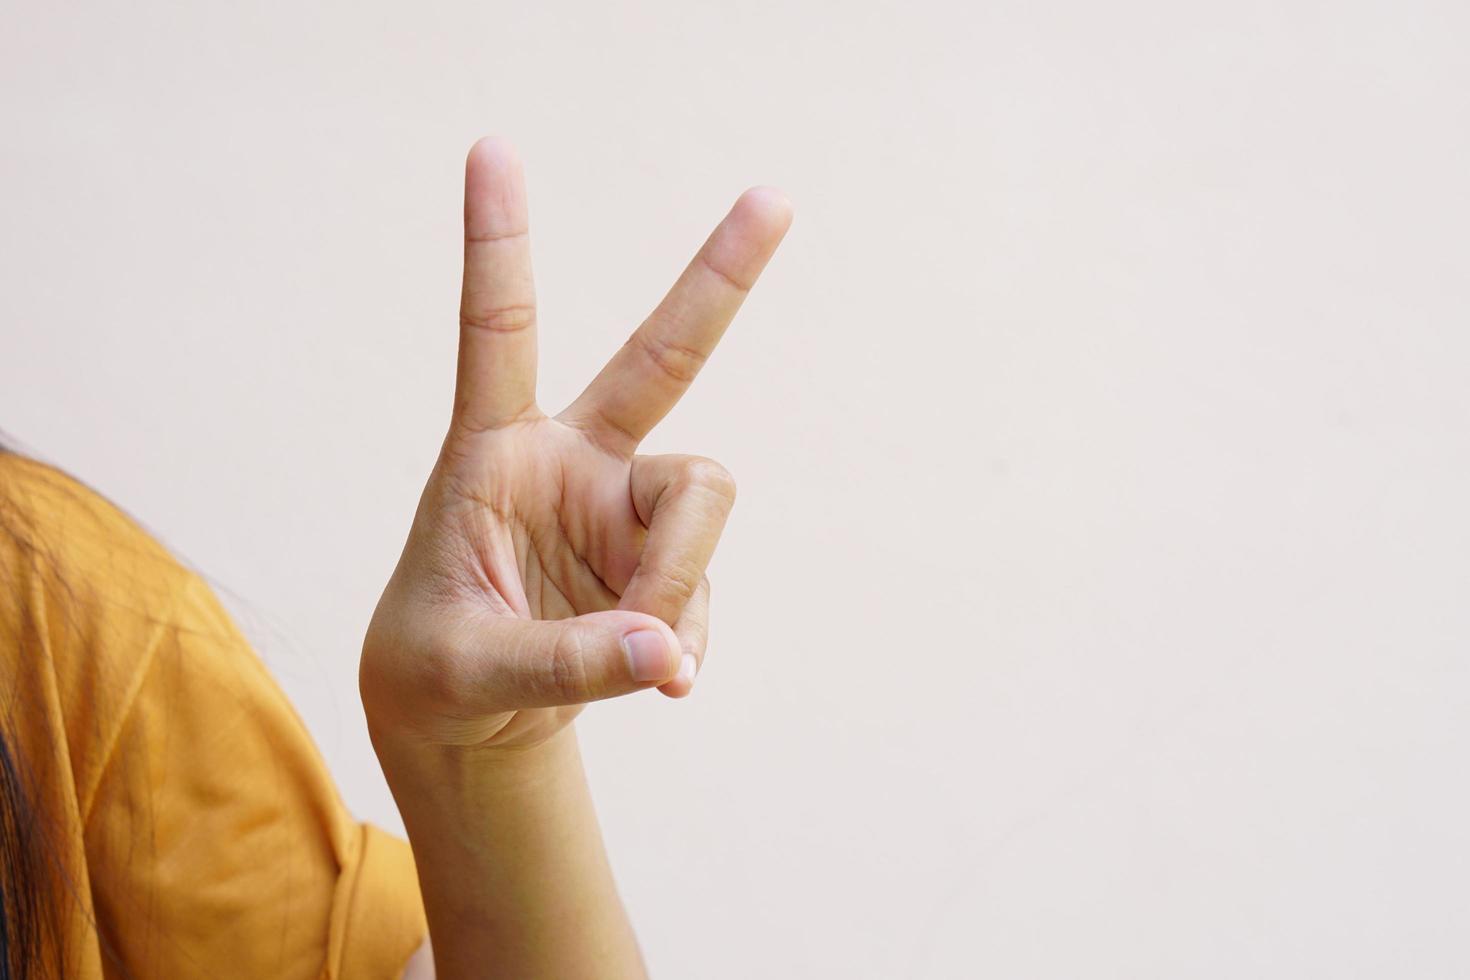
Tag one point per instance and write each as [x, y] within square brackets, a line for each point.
[541, 544]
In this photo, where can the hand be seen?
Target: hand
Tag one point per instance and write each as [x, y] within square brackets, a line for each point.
[549, 565]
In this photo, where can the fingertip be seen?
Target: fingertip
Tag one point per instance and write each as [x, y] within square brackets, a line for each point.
[650, 645]
[492, 151]
[683, 683]
[767, 204]
[744, 242]
[495, 190]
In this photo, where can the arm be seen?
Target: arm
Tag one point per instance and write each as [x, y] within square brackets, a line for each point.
[548, 565]
[511, 862]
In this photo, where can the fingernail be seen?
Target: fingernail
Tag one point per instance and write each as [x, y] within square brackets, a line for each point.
[687, 667]
[648, 655]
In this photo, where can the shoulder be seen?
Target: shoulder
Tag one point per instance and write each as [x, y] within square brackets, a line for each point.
[59, 535]
[88, 599]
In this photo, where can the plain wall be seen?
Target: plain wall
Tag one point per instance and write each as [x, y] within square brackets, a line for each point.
[1096, 600]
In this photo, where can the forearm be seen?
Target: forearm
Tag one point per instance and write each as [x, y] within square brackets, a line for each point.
[510, 859]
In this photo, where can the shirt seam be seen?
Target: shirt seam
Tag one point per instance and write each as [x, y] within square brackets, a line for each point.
[130, 702]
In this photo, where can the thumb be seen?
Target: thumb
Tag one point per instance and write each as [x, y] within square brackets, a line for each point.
[538, 663]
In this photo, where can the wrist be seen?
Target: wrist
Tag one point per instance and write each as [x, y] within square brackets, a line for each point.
[412, 761]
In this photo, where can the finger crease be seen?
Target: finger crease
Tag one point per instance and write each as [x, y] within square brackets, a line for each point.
[722, 274]
[493, 238]
[679, 362]
[500, 421]
[612, 423]
[502, 319]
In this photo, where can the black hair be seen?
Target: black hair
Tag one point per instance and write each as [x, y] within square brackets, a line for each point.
[24, 905]
[26, 910]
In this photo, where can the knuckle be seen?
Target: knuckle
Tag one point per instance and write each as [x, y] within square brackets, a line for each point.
[710, 476]
[566, 668]
[694, 629]
[499, 319]
[676, 582]
[720, 273]
[441, 676]
[677, 362]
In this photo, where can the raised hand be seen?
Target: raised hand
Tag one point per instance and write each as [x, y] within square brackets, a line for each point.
[548, 564]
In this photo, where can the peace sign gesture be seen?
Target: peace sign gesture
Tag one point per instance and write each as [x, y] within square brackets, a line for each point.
[548, 564]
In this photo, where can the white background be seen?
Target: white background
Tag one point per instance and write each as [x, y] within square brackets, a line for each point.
[1095, 604]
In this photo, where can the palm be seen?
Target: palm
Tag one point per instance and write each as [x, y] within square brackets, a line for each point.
[545, 518]
[547, 525]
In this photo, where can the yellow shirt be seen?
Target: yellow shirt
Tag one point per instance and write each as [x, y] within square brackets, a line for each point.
[194, 829]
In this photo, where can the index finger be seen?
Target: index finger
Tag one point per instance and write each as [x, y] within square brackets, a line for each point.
[656, 365]
[496, 380]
